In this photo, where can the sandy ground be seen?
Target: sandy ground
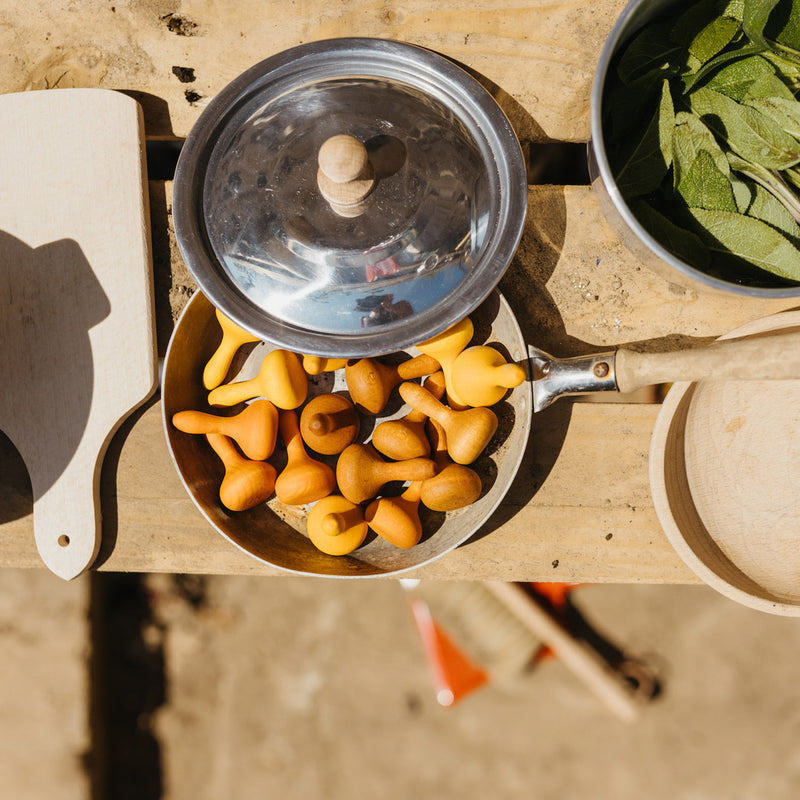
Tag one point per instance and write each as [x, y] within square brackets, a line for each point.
[301, 688]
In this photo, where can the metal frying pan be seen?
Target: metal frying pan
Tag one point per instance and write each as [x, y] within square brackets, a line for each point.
[272, 532]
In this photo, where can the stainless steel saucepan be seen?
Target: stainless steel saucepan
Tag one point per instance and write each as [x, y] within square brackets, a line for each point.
[350, 197]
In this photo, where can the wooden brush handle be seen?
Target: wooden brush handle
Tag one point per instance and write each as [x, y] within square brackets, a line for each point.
[769, 357]
[580, 659]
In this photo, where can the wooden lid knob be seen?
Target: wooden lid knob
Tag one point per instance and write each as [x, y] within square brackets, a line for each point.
[345, 176]
[342, 158]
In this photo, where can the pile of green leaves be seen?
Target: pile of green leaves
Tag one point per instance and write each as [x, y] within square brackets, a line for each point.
[702, 129]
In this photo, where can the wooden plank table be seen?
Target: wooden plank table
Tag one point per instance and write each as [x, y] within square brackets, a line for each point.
[580, 509]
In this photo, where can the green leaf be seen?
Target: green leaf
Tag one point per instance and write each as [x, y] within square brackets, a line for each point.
[786, 113]
[768, 85]
[690, 137]
[623, 104]
[717, 35]
[755, 18]
[734, 79]
[783, 25]
[650, 51]
[792, 176]
[705, 186]
[769, 209]
[680, 242]
[788, 69]
[749, 133]
[771, 180]
[789, 34]
[731, 55]
[733, 9]
[743, 192]
[749, 239]
[647, 165]
[696, 16]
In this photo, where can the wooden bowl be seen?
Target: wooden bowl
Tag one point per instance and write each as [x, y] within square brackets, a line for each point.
[724, 474]
[275, 533]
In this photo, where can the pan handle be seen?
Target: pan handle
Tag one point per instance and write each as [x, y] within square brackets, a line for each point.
[769, 356]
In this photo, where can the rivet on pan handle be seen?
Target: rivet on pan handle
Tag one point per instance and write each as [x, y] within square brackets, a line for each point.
[556, 377]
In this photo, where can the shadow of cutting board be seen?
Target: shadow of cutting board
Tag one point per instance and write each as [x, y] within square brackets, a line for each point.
[77, 338]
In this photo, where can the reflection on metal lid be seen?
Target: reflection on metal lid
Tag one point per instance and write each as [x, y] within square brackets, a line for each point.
[379, 248]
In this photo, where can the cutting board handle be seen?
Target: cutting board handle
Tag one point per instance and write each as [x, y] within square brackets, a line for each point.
[66, 518]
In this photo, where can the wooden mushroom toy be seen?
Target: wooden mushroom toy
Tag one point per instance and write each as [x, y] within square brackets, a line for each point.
[336, 526]
[233, 337]
[303, 479]
[255, 429]
[345, 176]
[401, 439]
[454, 485]
[328, 423]
[246, 483]
[481, 376]
[467, 431]
[370, 382]
[316, 365]
[396, 519]
[361, 472]
[281, 379]
[444, 347]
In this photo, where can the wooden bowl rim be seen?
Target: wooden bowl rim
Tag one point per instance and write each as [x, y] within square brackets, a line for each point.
[663, 441]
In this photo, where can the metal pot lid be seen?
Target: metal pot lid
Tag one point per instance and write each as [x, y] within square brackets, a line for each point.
[350, 197]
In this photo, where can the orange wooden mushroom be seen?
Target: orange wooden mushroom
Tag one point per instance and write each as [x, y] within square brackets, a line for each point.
[481, 376]
[468, 431]
[304, 479]
[454, 485]
[328, 423]
[255, 429]
[361, 472]
[444, 348]
[246, 483]
[233, 337]
[396, 519]
[404, 438]
[316, 365]
[370, 382]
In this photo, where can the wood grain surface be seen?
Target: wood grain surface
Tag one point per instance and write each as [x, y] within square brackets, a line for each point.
[580, 509]
[174, 57]
[573, 514]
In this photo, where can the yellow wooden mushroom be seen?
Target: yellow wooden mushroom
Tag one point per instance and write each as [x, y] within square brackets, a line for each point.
[481, 376]
[336, 526]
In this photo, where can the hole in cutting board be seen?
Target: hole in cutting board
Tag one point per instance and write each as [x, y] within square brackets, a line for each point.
[63, 540]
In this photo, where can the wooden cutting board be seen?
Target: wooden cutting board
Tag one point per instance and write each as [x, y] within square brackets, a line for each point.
[77, 337]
